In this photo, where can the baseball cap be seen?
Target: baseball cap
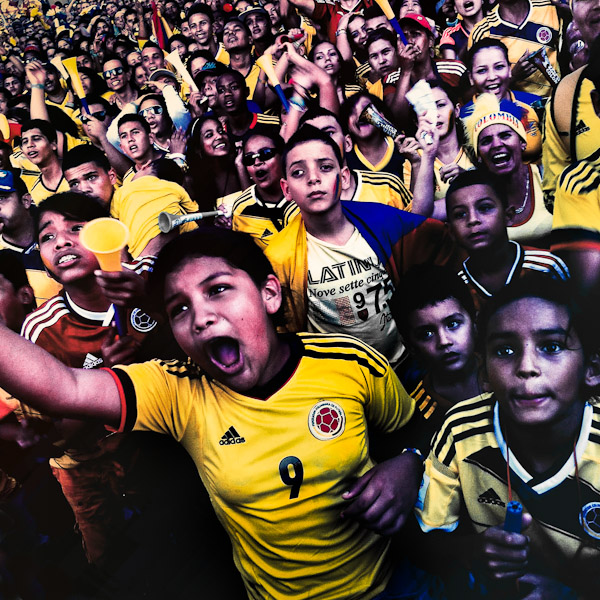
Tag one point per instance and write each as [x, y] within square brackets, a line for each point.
[419, 19]
[255, 8]
[7, 181]
[161, 73]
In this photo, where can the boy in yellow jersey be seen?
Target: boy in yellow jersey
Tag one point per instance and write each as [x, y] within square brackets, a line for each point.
[276, 425]
[201, 20]
[534, 441]
[39, 143]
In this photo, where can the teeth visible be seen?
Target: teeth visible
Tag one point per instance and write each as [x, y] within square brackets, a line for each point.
[66, 258]
[220, 146]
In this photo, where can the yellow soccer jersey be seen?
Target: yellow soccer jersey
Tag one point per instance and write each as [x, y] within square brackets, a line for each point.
[252, 80]
[381, 187]
[441, 187]
[29, 172]
[222, 55]
[576, 222]
[276, 467]
[577, 142]
[541, 29]
[466, 470]
[251, 215]
[139, 202]
[39, 192]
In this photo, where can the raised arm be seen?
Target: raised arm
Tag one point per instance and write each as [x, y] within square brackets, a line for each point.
[38, 379]
[307, 7]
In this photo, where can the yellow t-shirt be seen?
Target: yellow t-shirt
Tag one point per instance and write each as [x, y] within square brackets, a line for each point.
[381, 187]
[39, 192]
[275, 470]
[139, 202]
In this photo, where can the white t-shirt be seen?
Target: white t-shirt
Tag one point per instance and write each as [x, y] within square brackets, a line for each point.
[349, 292]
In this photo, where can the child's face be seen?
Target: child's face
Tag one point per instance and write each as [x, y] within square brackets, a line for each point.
[534, 362]
[221, 319]
[443, 336]
[476, 217]
[61, 251]
[313, 177]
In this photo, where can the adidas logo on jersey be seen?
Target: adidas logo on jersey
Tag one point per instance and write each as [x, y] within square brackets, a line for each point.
[490, 497]
[230, 437]
[581, 127]
[266, 233]
[91, 361]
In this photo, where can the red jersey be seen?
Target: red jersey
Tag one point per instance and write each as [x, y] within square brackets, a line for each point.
[328, 13]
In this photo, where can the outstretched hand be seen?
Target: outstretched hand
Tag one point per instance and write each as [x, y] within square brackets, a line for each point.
[382, 498]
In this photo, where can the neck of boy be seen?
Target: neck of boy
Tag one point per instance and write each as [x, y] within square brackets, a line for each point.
[126, 95]
[539, 448]
[331, 226]
[469, 22]
[149, 156]
[514, 12]
[241, 60]
[374, 147]
[458, 385]
[51, 173]
[491, 265]
[239, 122]
[58, 96]
[87, 294]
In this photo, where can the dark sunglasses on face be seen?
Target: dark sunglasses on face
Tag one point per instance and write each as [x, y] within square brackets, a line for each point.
[100, 115]
[155, 110]
[113, 73]
[262, 155]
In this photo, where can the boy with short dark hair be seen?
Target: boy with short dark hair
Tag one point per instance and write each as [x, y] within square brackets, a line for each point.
[341, 261]
[478, 217]
[436, 318]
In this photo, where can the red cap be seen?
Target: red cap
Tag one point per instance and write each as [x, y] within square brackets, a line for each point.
[419, 19]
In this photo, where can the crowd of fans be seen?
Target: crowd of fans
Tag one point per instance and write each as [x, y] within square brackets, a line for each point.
[366, 324]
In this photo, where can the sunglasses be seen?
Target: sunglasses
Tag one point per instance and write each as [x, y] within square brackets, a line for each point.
[155, 110]
[262, 155]
[100, 115]
[113, 73]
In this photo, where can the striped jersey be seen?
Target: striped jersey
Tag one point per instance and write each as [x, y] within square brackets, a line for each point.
[454, 38]
[527, 261]
[260, 219]
[540, 29]
[466, 478]
[576, 224]
[276, 461]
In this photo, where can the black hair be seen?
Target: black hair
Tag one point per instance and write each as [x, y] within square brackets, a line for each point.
[381, 34]
[71, 205]
[308, 133]
[236, 19]
[477, 177]
[48, 130]
[426, 285]
[486, 42]
[150, 44]
[98, 83]
[109, 57]
[348, 106]
[238, 249]
[4, 92]
[110, 109]
[161, 100]
[537, 285]
[134, 118]
[85, 153]
[235, 74]
[268, 133]
[179, 37]
[200, 9]
[167, 169]
[373, 12]
[314, 112]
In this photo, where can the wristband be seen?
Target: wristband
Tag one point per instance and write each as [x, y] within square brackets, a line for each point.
[414, 451]
[297, 102]
[340, 32]
[177, 155]
[38, 86]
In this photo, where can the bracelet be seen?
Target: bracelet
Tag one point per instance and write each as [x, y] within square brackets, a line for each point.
[414, 451]
[177, 155]
[38, 86]
[340, 32]
[297, 102]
